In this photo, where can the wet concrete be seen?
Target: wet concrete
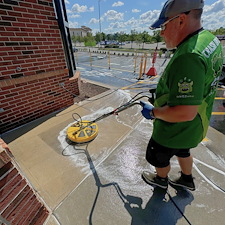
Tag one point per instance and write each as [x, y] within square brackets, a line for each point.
[100, 183]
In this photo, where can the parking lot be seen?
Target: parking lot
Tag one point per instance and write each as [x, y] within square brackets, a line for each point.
[122, 71]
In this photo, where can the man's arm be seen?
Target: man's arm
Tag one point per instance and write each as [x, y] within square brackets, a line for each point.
[179, 113]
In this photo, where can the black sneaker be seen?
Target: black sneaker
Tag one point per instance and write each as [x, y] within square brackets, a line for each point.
[153, 179]
[190, 185]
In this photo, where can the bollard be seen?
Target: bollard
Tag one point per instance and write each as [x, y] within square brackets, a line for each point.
[141, 67]
[135, 62]
[109, 59]
[90, 61]
[145, 62]
[76, 55]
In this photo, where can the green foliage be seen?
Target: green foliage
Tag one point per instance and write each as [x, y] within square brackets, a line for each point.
[89, 40]
[220, 31]
[90, 43]
[156, 36]
[134, 36]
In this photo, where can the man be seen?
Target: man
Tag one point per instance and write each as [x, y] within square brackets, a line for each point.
[184, 94]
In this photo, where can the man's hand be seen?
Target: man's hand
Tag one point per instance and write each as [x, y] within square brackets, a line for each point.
[147, 110]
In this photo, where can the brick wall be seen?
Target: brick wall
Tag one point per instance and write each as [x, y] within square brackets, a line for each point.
[32, 63]
[19, 204]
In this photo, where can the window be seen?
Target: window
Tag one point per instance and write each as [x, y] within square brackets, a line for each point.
[64, 29]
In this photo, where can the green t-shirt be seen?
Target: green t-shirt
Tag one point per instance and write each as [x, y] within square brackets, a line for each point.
[190, 78]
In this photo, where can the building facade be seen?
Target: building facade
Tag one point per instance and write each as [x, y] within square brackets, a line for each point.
[81, 32]
[33, 67]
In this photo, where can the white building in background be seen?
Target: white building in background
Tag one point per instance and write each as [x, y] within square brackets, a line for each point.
[82, 32]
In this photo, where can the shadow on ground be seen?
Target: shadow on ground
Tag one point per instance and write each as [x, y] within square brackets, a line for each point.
[160, 209]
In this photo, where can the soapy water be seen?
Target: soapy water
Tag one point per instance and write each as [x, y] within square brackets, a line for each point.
[125, 162]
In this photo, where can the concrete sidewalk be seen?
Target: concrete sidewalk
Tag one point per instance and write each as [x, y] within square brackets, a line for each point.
[100, 183]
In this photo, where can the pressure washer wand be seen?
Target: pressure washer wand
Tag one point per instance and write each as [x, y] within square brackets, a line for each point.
[114, 112]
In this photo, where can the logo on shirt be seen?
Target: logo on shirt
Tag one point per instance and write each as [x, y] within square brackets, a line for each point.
[185, 86]
[217, 64]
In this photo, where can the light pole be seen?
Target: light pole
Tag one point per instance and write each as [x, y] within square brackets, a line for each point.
[99, 18]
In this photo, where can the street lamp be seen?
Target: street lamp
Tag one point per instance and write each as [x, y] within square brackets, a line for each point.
[99, 18]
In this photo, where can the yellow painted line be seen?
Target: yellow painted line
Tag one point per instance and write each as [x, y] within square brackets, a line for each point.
[220, 98]
[218, 113]
[135, 88]
[139, 82]
[128, 87]
[205, 139]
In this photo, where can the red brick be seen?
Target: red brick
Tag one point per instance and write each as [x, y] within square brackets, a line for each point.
[4, 39]
[10, 186]
[36, 206]
[16, 14]
[29, 73]
[6, 168]
[15, 202]
[7, 34]
[34, 34]
[27, 5]
[34, 11]
[45, 13]
[38, 7]
[16, 39]
[3, 12]
[3, 155]
[11, 195]
[25, 29]
[21, 34]
[18, 24]
[43, 26]
[8, 72]
[32, 204]
[8, 177]
[41, 17]
[20, 9]
[36, 21]
[6, 48]
[15, 53]
[26, 20]
[39, 30]
[42, 216]
[20, 208]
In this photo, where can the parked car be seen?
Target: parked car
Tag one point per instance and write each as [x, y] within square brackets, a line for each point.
[75, 49]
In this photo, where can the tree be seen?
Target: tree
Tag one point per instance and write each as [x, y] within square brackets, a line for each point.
[133, 37]
[145, 37]
[98, 37]
[156, 36]
[89, 40]
[220, 31]
[122, 37]
[109, 37]
[103, 36]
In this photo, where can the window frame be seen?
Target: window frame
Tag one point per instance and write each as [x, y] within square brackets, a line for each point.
[63, 23]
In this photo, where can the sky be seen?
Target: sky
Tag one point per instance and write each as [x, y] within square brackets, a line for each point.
[126, 15]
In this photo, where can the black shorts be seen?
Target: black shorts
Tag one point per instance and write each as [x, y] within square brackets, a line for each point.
[159, 156]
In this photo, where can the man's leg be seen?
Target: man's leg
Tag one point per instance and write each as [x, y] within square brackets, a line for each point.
[163, 172]
[186, 179]
[158, 156]
[159, 179]
[186, 164]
